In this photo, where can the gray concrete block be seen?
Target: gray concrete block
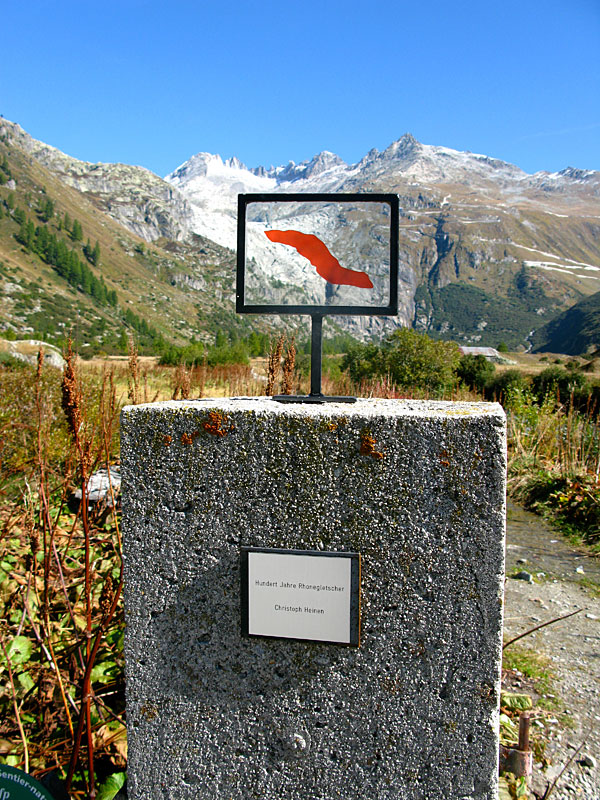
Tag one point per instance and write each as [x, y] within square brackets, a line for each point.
[418, 488]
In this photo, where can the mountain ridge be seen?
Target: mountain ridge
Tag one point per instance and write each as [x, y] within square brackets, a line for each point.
[133, 195]
[170, 289]
[450, 200]
[481, 225]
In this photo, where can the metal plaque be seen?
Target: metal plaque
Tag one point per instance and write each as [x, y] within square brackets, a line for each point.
[301, 594]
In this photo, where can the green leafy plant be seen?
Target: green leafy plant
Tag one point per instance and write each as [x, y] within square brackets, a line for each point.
[111, 786]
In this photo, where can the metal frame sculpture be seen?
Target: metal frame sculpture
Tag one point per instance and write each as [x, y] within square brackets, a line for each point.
[327, 266]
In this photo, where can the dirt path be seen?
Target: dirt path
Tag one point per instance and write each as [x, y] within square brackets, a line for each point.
[563, 579]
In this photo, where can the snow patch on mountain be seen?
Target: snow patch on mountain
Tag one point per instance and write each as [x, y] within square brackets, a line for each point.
[212, 185]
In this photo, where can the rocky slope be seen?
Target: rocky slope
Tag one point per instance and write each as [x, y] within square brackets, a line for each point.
[133, 196]
[170, 289]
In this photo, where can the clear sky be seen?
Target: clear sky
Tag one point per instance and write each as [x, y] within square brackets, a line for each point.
[152, 82]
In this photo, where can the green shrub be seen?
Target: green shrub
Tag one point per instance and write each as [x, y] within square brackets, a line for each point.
[503, 385]
[411, 360]
[364, 361]
[10, 362]
[475, 372]
[234, 353]
[415, 360]
[557, 382]
[190, 355]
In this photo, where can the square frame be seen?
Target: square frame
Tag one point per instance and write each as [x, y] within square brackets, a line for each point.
[389, 310]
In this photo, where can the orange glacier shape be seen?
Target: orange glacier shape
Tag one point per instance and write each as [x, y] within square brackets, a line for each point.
[328, 267]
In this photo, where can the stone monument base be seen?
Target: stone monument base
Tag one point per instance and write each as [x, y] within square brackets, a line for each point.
[418, 490]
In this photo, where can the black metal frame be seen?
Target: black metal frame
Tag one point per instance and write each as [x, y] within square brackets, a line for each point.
[355, 581]
[317, 312]
[389, 310]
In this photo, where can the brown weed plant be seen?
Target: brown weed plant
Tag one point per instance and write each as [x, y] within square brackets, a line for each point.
[182, 383]
[133, 374]
[274, 363]
[61, 581]
[289, 367]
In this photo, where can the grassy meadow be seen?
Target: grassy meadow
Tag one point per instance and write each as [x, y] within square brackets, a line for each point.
[61, 635]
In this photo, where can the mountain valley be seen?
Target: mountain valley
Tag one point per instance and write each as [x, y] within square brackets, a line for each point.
[488, 253]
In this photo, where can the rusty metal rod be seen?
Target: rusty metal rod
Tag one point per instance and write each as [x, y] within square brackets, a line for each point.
[524, 721]
[543, 625]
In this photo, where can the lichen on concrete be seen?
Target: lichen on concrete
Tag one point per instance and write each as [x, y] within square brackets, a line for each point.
[412, 713]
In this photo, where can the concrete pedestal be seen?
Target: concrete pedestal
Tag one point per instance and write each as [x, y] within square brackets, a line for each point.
[418, 489]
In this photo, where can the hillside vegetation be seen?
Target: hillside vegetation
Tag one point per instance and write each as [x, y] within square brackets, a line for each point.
[65, 266]
[575, 331]
[467, 313]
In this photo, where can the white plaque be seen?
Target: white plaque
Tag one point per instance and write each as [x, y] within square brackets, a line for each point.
[304, 595]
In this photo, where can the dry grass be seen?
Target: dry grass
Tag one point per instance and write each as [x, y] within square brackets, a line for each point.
[533, 363]
[157, 383]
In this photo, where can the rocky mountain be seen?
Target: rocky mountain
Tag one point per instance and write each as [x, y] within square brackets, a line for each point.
[68, 267]
[488, 252]
[133, 196]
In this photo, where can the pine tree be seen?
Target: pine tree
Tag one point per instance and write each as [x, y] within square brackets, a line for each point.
[52, 250]
[41, 240]
[76, 231]
[62, 259]
[96, 254]
[74, 270]
[45, 209]
[86, 279]
[26, 234]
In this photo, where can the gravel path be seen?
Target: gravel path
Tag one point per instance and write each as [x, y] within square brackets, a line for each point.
[562, 576]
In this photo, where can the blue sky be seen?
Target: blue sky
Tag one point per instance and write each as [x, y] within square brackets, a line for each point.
[152, 83]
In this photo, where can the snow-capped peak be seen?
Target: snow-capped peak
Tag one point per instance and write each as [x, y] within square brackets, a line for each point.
[212, 185]
[577, 174]
[404, 148]
[235, 163]
[319, 164]
[205, 165]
